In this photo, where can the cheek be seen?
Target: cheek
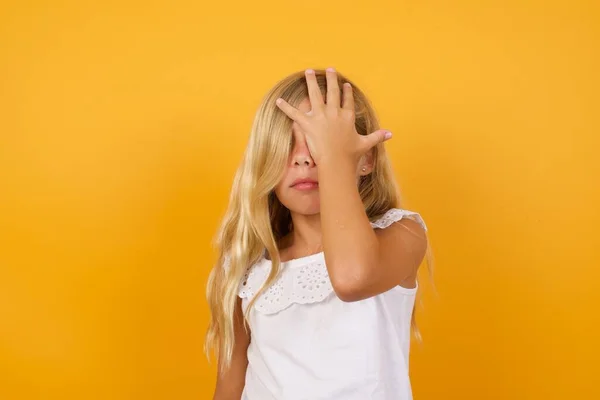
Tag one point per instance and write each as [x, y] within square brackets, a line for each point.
[279, 189]
[286, 178]
[278, 192]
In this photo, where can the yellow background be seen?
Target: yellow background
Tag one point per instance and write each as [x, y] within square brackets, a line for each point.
[122, 123]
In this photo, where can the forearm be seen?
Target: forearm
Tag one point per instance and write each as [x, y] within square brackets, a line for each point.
[349, 242]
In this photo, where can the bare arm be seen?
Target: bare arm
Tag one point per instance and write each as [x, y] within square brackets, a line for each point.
[230, 382]
[363, 262]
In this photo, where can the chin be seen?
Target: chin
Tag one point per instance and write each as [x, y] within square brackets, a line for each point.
[311, 208]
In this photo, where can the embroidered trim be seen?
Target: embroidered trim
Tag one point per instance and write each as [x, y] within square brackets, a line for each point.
[395, 215]
[306, 284]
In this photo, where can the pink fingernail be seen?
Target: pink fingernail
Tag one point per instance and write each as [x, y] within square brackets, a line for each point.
[330, 69]
[388, 134]
[310, 71]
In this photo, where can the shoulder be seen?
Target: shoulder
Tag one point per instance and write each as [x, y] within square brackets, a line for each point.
[403, 242]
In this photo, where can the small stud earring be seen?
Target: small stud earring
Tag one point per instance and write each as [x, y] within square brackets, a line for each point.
[364, 169]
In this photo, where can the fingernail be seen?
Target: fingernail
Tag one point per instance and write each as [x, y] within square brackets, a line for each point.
[388, 134]
[330, 69]
[279, 100]
[310, 71]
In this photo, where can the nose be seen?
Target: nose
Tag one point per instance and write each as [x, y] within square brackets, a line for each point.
[301, 155]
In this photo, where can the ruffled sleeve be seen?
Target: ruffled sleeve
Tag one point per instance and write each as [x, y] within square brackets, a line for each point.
[395, 215]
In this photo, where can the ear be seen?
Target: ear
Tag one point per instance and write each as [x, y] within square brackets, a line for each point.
[365, 164]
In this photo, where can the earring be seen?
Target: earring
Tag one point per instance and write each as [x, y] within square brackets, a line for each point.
[364, 169]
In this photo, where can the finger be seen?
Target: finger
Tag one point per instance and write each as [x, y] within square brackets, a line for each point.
[289, 110]
[314, 92]
[348, 97]
[333, 89]
[373, 139]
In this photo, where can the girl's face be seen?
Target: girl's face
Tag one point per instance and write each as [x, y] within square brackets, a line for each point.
[298, 190]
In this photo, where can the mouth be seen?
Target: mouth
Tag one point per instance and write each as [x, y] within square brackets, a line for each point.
[305, 184]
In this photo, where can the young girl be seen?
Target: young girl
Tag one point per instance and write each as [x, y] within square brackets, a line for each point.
[314, 289]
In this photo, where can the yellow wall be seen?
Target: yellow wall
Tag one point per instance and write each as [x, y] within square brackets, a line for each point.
[122, 124]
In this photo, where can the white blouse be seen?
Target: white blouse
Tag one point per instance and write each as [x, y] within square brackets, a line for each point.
[307, 344]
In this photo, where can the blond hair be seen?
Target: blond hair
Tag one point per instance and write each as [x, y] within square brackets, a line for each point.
[255, 220]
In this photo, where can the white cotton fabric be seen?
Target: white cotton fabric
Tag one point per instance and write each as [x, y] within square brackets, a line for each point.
[307, 344]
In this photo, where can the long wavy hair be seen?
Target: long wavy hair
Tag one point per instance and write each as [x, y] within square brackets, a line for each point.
[255, 220]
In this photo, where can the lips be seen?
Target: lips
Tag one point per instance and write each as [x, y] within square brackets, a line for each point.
[305, 183]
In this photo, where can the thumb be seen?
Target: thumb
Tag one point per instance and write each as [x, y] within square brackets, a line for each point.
[373, 139]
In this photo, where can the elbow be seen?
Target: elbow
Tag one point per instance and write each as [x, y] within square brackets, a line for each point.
[350, 287]
[348, 295]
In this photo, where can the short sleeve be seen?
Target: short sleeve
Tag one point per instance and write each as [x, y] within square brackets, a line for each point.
[395, 215]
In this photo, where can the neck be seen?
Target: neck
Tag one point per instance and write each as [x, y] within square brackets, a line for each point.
[306, 238]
